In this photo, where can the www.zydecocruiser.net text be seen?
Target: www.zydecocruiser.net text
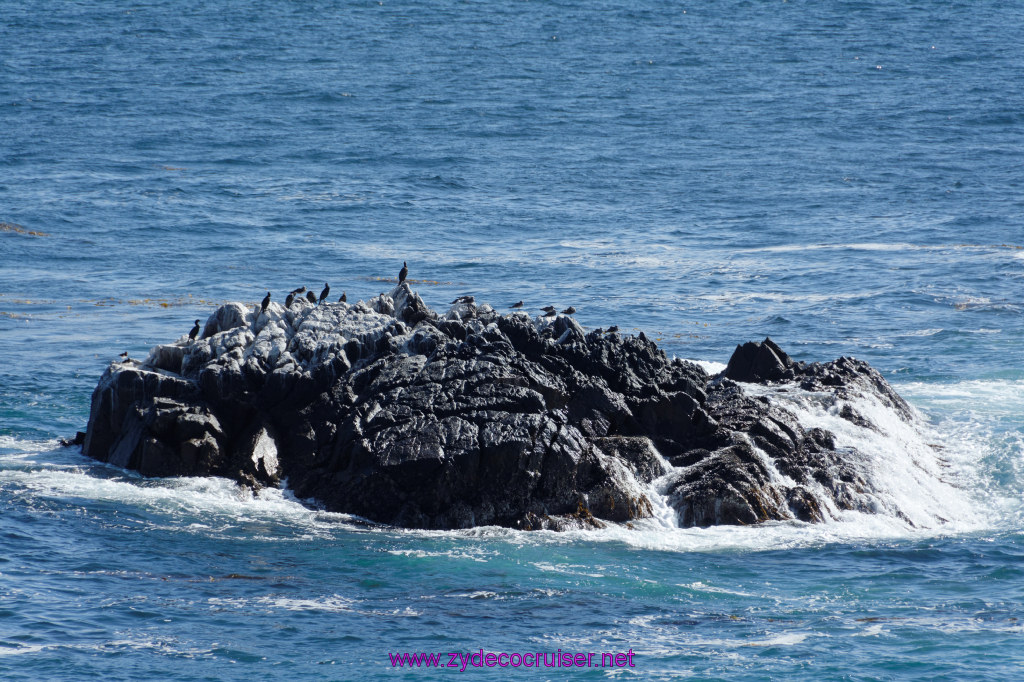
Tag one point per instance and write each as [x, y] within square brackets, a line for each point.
[462, 661]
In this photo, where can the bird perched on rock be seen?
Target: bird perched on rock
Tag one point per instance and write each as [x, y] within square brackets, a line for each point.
[192, 334]
[124, 356]
[549, 309]
[300, 290]
[518, 304]
[569, 311]
[323, 294]
[288, 301]
[343, 299]
[265, 303]
[549, 313]
[464, 299]
[403, 272]
[311, 297]
[613, 329]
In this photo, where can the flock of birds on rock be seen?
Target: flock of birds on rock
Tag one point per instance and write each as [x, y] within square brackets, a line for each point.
[549, 311]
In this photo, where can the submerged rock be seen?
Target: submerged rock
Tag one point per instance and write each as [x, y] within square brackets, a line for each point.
[391, 411]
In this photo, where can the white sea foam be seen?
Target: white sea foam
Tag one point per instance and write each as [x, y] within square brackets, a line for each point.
[741, 297]
[709, 366]
[700, 586]
[568, 569]
[910, 475]
[958, 469]
[931, 477]
[866, 246]
[979, 425]
[330, 603]
[205, 505]
[870, 631]
[476, 594]
[17, 445]
[15, 649]
[468, 554]
[982, 398]
[780, 639]
[884, 246]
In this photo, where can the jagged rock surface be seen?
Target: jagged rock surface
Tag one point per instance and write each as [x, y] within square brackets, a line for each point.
[390, 411]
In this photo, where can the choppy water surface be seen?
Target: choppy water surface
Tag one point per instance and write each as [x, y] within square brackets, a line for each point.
[844, 177]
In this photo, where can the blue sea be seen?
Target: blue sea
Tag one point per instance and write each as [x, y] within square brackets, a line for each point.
[844, 177]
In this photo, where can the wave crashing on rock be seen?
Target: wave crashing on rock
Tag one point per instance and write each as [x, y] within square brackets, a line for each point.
[388, 410]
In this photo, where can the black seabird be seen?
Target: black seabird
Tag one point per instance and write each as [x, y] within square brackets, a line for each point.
[403, 272]
[323, 294]
[311, 297]
[613, 329]
[464, 299]
[517, 305]
[266, 302]
[569, 311]
[343, 299]
[288, 301]
[300, 290]
[192, 334]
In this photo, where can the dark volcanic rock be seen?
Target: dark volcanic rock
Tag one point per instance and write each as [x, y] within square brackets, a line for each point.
[753, 361]
[388, 410]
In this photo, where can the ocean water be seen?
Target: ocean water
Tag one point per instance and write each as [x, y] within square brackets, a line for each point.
[845, 177]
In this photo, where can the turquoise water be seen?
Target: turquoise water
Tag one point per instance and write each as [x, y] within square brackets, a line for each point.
[844, 177]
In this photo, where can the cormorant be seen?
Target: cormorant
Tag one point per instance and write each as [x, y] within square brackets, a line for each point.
[569, 311]
[343, 299]
[323, 294]
[300, 290]
[403, 272]
[517, 305]
[194, 333]
[288, 301]
[266, 302]
[311, 297]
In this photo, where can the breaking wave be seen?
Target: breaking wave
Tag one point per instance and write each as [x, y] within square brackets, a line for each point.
[958, 472]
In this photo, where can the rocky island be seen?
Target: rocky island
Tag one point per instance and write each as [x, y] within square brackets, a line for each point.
[393, 412]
